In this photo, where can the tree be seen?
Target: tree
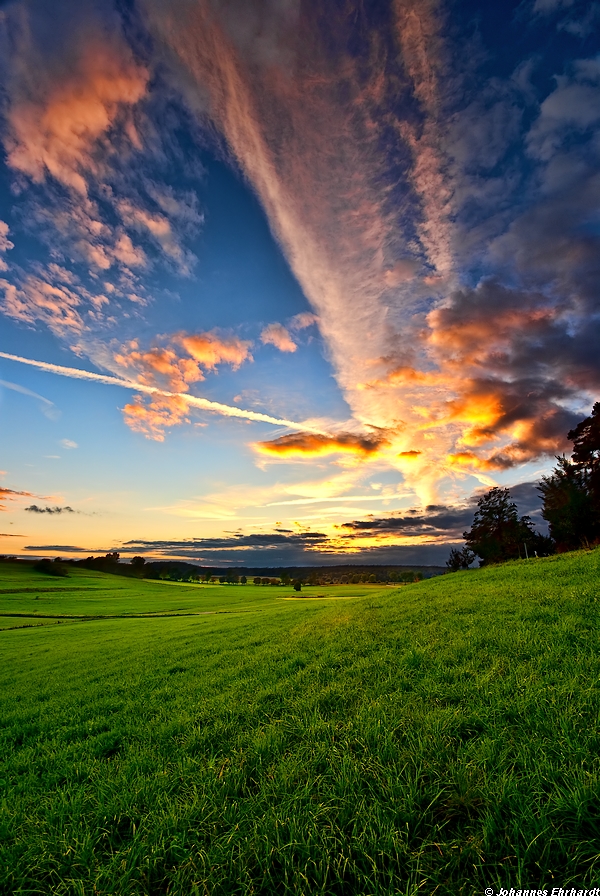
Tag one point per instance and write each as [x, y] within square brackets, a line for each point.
[459, 559]
[243, 580]
[571, 494]
[568, 506]
[498, 533]
[137, 564]
[257, 580]
[586, 452]
[297, 586]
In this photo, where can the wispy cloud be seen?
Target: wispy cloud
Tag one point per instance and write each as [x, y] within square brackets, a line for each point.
[9, 494]
[384, 275]
[277, 335]
[5, 244]
[48, 407]
[191, 400]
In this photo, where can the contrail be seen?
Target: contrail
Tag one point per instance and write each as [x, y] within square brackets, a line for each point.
[214, 406]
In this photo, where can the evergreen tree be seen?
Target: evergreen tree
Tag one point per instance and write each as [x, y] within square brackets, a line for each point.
[571, 494]
[567, 506]
[460, 559]
[498, 533]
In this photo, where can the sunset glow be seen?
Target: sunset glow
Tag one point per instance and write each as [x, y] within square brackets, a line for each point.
[263, 266]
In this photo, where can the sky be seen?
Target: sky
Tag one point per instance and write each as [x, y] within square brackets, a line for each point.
[291, 283]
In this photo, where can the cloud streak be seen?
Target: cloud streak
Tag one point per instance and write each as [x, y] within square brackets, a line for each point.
[387, 245]
[204, 404]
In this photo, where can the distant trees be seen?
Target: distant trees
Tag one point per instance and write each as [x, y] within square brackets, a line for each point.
[51, 567]
[138, 564]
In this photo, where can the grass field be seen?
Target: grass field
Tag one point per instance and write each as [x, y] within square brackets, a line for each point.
[442, 737]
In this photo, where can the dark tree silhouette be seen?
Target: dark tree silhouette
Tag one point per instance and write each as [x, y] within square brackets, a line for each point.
[568, 506]
[498, 533]
[571, 494]
[460, 559]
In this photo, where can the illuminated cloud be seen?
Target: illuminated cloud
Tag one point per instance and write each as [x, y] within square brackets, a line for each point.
[384, 278]
[9, 494]
[152, 417]
[56, 305]
[303, 320]
[277, 335]
[204, 404]
[68, 443]
[5, 244]
[166, 364]
[441, 220]
[62, 105]
[310, 445]
[210, 349]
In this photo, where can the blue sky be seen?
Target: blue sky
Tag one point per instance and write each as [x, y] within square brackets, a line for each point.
[368, 232]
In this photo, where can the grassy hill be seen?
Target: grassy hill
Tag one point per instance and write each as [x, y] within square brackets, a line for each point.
[159, 738]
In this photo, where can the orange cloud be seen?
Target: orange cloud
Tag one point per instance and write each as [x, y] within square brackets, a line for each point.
[152, 416]
[309, 445]
[54, 124]
[5, 244]
[210, 349]
[10, 494]
[178, 372]
[277, 335]
[37, 300]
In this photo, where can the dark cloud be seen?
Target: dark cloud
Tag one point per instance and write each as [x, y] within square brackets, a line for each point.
[256, 540]
[63, 548]
[438, 520]
[34, 508]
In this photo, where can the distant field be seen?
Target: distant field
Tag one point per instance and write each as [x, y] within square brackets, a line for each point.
[440, 737]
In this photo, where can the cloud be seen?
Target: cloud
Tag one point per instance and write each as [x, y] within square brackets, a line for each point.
[573, 108]
[48, 407]
[9, 494]
[303, 320]
[441, 221]
[191, 400]
[34, 508]
[58, 548]
[152, 417]
[211, 349]
[57, 306]
[312, 445]
[64, 100]
[277, 335]
[5, 244]
[397, 251]
[68, 443]
[166, 364]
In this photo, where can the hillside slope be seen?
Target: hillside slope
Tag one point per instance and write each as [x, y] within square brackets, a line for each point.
[441, 737]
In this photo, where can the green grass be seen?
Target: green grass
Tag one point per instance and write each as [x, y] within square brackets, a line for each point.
[441, 737]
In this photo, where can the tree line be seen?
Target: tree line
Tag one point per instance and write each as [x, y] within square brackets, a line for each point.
[570, 505]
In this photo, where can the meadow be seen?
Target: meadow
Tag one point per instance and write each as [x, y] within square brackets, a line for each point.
[161, 738]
